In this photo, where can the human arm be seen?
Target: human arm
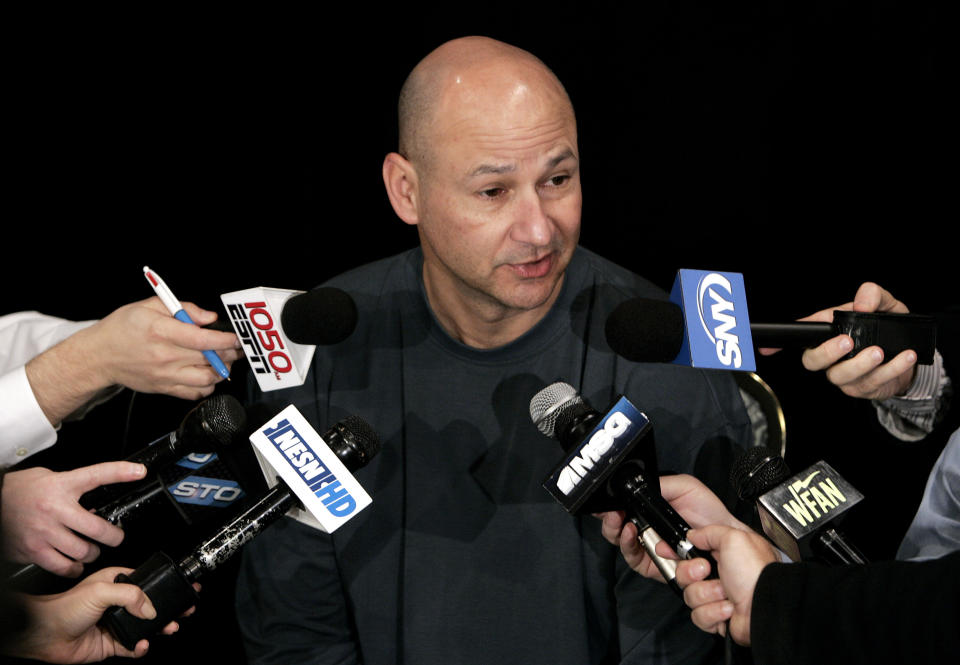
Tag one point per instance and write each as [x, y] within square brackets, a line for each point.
[62, 628]
[935, 529]
[41, 516]
[139, 346]
[907, 396]
[883, 612]
[865, 375]
[24, 335]
[741, 555]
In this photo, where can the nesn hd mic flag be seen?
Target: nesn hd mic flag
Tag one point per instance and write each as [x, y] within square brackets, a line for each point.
[290, 449]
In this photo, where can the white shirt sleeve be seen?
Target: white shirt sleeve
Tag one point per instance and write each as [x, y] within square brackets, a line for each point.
[24, 429]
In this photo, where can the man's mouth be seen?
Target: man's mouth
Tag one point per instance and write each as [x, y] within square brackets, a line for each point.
[534, 269]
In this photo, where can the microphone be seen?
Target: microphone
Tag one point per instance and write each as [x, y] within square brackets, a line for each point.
[321, 316]
[706, 324]
[799, 512]
[211, 426]
[280, 355]
[610, 463]
[345, 447]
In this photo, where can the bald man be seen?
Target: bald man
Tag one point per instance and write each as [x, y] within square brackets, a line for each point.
[463, 557]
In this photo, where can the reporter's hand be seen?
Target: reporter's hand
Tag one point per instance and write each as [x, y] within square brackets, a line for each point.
[41, 515]
[63, 627]
[142, 347]
[741, 556]
[695, 503]
[139, 346]
[865, 375]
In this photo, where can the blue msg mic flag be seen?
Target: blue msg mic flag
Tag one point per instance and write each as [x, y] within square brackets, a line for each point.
[588, 466]
[716, 321]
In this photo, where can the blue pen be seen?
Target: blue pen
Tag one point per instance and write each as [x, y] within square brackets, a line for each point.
[175, 308]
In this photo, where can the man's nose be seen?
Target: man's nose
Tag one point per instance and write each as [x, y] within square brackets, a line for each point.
[532, 224]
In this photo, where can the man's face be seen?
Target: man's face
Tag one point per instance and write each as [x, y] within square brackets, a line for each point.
[500, 200]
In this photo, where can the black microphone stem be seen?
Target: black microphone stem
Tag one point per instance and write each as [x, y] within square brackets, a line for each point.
[645, 501]
[242, 529]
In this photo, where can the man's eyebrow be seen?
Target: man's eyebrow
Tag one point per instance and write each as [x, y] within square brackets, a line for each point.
[499, 169]
[563, 156]
[488, 169]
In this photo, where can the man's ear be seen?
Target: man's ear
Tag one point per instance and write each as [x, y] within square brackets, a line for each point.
[400, 179]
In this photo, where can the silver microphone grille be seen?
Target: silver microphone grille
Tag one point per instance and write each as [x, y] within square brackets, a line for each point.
[549, 403]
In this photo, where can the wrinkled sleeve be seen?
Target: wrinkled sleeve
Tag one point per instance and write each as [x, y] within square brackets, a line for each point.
[910, 417]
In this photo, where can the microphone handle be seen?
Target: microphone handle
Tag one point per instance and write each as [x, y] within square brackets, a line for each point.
[163, 450]
[228, 540]
[794, 334]
[153, 456]
[646, 502]
[120, 512]
[648, 539]
[27, 575]
[168, 584]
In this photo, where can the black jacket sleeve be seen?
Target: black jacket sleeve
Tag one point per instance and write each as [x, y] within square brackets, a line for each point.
[886, 612]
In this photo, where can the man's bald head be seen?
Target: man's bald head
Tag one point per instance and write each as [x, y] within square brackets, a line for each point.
[464, 74]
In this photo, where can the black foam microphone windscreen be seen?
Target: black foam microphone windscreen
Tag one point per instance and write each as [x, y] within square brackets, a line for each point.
[321, 316]
[646, 330]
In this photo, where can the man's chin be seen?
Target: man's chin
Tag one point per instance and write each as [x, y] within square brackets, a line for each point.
[530, 294]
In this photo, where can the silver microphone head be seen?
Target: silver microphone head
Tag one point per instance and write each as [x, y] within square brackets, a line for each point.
[548, 404]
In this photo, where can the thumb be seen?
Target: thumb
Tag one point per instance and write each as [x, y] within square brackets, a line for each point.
[708, 537]
[103, 595]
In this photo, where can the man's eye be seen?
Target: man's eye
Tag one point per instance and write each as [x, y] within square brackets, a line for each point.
[491, 193]
[557, 180]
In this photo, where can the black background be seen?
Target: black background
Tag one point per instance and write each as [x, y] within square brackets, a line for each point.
[804, 145]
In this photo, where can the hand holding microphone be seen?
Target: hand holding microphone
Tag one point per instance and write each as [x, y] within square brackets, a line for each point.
[690, 498]
[870, 374]
[309, 471]
[705, 324]
[46, 515]
[43, 522]
[737, 556]
[610, 464]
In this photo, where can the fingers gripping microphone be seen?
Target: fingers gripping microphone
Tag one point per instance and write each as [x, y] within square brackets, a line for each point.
[798, 513]
[706, 324]
[610, 463]
[350, 444]
[211, 426]
[280, 355]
